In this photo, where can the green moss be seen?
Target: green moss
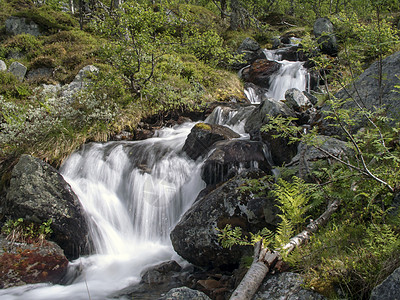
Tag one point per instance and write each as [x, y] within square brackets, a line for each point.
[27, 44]
[48, 19]
[203, 126]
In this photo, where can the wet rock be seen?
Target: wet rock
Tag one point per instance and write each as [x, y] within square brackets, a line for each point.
[259, 116]
[260, 72]
[250, 50]
[231, 157]
[22, 263]
[389, 288]
[160, 273]
[296, 100]
[184, 293]
[195, 237]
[203, 136]
[18, 70]
[3, 66]
[15, 25]
[37, 193]
[324, 32]
[286, 286]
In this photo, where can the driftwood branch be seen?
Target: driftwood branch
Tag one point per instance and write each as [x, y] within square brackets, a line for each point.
[265, 259]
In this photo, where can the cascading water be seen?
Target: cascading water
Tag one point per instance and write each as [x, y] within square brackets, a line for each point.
[291, 74]
[133, 193]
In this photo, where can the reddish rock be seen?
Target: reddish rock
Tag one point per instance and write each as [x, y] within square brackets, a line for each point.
[22, 263]
[260, 71]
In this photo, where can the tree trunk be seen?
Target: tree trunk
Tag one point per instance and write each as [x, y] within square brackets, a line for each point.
[71, 6]
[264, 258]
[235, 15]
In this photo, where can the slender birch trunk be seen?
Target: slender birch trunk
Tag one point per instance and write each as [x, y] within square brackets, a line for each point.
[265, 259]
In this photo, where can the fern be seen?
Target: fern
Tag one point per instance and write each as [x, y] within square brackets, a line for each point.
[284, 232]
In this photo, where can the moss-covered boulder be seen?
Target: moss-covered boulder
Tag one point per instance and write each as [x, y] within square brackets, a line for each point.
[38, 192]
[203, 136]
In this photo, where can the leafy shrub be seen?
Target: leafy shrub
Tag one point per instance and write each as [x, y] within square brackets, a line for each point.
[22, 231]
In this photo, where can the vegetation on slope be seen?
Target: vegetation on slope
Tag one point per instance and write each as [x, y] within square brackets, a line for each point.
[171, 56]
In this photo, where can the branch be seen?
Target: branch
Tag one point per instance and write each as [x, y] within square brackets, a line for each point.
[265, 259]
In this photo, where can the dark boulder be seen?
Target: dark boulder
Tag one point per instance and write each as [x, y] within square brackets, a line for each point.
[195, 237]
[160, 273]
[250, 50]
[260, 115]
[37, 193]
[324, 32]
[231, 157]
[203, 136]
[260, 72]
[22, 263]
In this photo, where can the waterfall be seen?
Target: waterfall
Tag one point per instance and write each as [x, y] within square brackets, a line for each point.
[291, 74]
[133, 194]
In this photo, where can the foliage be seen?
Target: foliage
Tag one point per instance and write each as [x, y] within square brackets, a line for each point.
[292, 199]
[25, 232]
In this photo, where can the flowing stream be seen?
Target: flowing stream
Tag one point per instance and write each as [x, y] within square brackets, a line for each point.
[291, 74]
[133, 194]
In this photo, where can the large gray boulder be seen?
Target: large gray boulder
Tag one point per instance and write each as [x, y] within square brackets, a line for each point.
[389, 288]
[18, 70]
[288, 286]
[203, 136]
[297, 100]
[16, 25]
[37, 193]
[195, 237]
[308, 156]
[367, 91]
[324, 32]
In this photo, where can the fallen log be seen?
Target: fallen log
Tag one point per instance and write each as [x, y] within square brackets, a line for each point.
[265, 259]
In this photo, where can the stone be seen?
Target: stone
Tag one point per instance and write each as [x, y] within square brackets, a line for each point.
[195, 237]
[260, 72]
[38, 192]
[184, 293]
[307, 156]
[23, 263]
[160, 273]
[16, 25]
[80, 82]
[40, 74]
[259, 116]
[203, 136]
[296, 100]
[389, 288]
[367, 87]
[250, 50]
[231, 157]
[249, 44]
[18, 70]
[324, 32]
[3, 66]
[288, 286]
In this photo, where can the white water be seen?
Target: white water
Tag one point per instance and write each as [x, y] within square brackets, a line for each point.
[291, 74]
[133, 194]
